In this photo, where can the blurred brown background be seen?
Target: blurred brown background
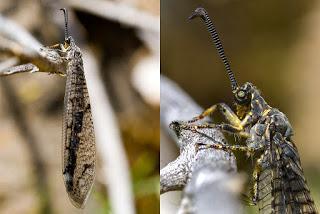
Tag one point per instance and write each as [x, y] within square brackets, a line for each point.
[273, 44]
[119, 47]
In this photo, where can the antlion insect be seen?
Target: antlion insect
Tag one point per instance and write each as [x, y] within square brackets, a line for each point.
[279, 183]
[78, 148]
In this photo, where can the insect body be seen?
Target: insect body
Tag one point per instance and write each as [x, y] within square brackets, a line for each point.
[279, 183]
[78, 149]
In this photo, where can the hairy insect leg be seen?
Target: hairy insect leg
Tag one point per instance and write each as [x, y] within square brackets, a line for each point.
[224, 109]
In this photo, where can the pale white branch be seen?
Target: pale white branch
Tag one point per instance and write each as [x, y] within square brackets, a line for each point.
[208, 177]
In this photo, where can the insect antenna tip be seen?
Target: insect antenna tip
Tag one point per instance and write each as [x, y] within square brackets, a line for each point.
[66, 32]
[198, 12]
[202, 13]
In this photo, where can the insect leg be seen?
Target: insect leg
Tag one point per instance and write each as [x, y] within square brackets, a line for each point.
[225, 110]
[55, 46]
[223, 127]
[228, 148]
[233, 130]
[204, 114]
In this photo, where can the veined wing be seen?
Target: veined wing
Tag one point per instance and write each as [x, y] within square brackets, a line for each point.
[78, 148]
[282, 187]
[265, 184]
[297, 193]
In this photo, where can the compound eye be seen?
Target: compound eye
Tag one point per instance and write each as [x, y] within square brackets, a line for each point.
[241, 94]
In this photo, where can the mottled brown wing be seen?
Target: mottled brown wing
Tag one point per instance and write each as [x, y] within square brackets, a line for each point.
[78, 148]
[282, 187]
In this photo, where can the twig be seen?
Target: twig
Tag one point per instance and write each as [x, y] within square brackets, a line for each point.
[208, 176]
[27, 49]
[109, 143]
[175, 104]
[29, 67]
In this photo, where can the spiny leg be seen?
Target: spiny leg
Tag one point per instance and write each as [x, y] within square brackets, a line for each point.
[227, 148]
[222, 127]
[236, 125]
[225, 110]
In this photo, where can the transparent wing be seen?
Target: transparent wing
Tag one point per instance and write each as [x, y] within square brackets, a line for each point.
[297, 193]
[265, 187]
[282, 187]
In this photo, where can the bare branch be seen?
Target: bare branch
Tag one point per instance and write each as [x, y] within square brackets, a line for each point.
[208, 176]
[29, 67]
[175, 104]
[20, 43]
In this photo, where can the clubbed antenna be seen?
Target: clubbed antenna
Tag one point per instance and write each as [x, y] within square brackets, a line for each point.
[66, 32]
[202, 13]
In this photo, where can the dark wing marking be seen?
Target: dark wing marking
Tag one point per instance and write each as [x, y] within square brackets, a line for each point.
[297, 193]
[78, 148]
[282, 187]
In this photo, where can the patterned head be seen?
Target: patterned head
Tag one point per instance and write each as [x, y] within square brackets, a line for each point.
[62, 53]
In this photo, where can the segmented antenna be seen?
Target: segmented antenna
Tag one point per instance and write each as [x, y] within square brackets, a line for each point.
[202, 13]
[66, 32]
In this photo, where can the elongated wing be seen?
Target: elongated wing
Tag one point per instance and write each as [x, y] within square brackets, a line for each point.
[264, 183]
[78, 149]
[282, 187]
[297, 193]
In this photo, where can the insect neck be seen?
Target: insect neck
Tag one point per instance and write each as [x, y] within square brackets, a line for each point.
[258, 105]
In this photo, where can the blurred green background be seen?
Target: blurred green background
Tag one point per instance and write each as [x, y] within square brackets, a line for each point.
[273, 44]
